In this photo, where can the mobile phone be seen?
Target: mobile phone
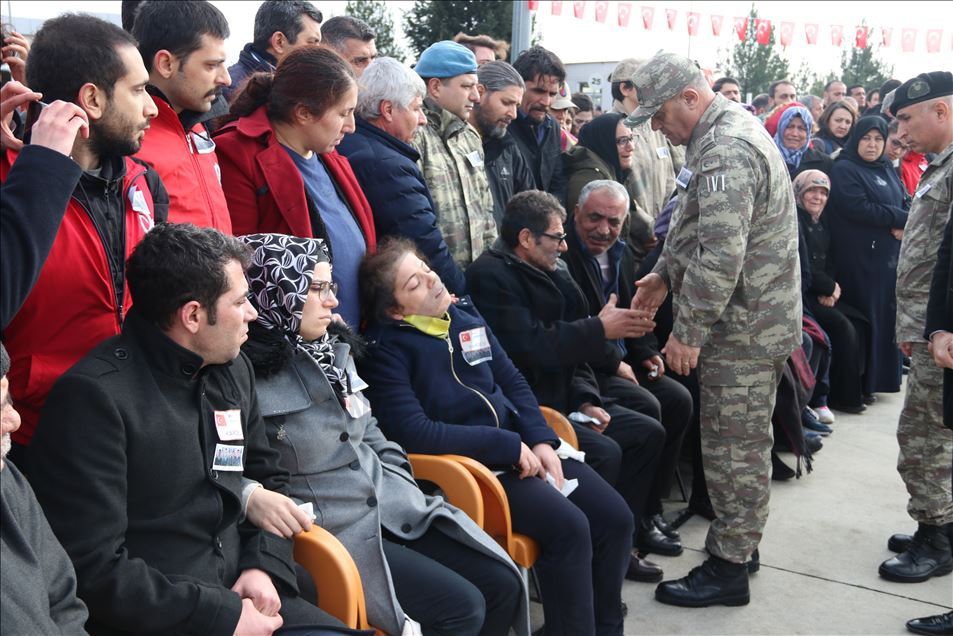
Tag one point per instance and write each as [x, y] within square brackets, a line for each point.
[32, 114]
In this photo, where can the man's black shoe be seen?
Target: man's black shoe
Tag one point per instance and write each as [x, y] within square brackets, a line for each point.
[779, 470]
[941, 624]
[665, 528]
[929, 555]
[651, 540]
[899, 542]
[642, 571]
[714, 582]
[854, 409]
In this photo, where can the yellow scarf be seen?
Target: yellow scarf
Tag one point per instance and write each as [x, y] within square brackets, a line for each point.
[430, 325]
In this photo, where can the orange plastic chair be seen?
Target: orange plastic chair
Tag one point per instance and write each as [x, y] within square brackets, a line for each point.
[558, 422]
[456, 482]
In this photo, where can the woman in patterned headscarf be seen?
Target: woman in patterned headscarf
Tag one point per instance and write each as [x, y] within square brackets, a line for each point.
[419, 558]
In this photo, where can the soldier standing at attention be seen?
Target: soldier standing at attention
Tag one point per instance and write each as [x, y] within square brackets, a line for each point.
[730, 261]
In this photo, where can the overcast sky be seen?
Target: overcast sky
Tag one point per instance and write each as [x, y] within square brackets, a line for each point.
[588, 41]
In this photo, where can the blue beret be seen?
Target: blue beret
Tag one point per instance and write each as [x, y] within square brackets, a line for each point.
[446, 59]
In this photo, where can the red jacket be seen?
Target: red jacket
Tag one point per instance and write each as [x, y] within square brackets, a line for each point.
[264, 189]
[74, 306]
[189, 170]
[912, 167]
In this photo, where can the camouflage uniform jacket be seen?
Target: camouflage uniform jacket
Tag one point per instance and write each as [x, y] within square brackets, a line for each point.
[451, 160]
[731, 259]
[921, 242]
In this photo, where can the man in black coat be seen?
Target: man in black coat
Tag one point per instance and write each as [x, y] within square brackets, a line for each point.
[541, 318]
[141, 449]
[939, 325]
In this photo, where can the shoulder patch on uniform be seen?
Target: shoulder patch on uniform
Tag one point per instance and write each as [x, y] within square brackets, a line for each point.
[711, 162]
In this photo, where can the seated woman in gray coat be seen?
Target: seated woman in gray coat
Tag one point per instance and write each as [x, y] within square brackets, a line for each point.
[419, 557]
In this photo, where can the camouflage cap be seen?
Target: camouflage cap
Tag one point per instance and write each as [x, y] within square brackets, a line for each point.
[887, 101]
[563, 99]
[625, 69]
[657, 81]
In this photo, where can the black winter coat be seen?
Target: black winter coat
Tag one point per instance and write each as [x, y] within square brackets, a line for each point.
[507, 172]
[544, 158]
[813, 159]
[940, 311]
[122, 463]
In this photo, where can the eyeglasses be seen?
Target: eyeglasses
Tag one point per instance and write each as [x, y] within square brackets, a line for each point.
[559, 238]
[325, 289]
[623, 141]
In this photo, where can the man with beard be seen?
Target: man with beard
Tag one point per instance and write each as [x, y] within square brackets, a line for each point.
[183, 47]
[80, 297]
[501, 92]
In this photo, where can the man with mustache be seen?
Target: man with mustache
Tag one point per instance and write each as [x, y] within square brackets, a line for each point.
[80, 296]
[183, 47]
[501, 92]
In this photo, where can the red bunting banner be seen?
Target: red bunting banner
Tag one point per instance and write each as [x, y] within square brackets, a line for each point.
[762, 31]
[532, 5]
[579, 8]
[787, 34]
[860, 37]
[810, 33]
[885, 35]
[837, 34]
[908, 40]
[625, 10]
[693, 19]
[670, 16]
[602, 10]
[716, 21]
[741, 28]
[647, 14]
[934, 38]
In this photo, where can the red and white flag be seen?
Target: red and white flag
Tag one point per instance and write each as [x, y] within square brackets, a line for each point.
[602, 10]
[670, 16]
[625, 10]
[716, 21]
[886, 34]
[860, 37]
[693, 19]
[741, 28]
[647, 14]
[532, 5]
[908, 40]
[579, 8]
[934, 38]
[837, 34]
[810, 33]
[762, 30]
[787, 33]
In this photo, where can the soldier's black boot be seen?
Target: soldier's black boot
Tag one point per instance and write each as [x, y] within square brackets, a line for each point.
[929, 555]
[899, 542]
[714, 582]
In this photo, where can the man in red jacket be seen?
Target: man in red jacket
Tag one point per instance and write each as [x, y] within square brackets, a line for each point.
[183, 47]
[80, 297]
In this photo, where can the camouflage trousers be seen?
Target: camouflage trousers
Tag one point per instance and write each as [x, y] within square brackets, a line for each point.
[737, 399]
[925, 462]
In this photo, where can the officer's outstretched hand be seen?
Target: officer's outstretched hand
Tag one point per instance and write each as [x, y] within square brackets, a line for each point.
[624, 323]
[650, 293]
[681, 358]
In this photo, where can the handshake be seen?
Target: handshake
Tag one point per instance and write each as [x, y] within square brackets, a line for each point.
[619, 322]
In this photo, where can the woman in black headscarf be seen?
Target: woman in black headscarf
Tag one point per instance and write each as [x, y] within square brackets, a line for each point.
[868, 210]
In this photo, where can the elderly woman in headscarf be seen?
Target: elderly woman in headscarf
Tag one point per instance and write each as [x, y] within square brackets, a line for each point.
[867, 211]
[845, 326]
[793, 138]
[419, 558]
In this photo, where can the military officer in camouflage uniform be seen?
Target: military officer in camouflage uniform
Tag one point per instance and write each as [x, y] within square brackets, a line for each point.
[731, 263]
[924, 108]
[451, 152]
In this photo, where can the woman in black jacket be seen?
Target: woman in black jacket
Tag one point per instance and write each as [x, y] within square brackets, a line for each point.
[835, 126]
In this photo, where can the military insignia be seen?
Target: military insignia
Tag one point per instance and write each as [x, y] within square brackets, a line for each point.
[715, 182]
[684, 176]
[918, 88]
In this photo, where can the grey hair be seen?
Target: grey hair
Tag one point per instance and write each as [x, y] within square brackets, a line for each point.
[498, 75]
[386, 79]
[614, 187]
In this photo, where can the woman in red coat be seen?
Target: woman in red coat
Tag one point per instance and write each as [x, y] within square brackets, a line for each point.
[280, 170]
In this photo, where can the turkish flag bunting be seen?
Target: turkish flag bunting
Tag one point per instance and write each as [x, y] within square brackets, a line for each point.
[647, 14]
[579, 8]
[810, 33]
[532, 5]
[837, 34]
[670, 15]
[762, 30]
[741, 28]
[934, 37]
[625, 10]
[885, 34]
[909, 40]
[860, 37]
[716, 21]
[693, 19]
[602, 9]
[787, 33]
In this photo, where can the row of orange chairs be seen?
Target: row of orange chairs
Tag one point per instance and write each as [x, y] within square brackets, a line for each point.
[467, 484]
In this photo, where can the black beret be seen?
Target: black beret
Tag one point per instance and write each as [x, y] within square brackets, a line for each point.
[921, 88]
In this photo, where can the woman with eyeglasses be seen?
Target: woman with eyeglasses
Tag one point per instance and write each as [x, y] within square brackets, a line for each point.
[280, 170]
[419, 558]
